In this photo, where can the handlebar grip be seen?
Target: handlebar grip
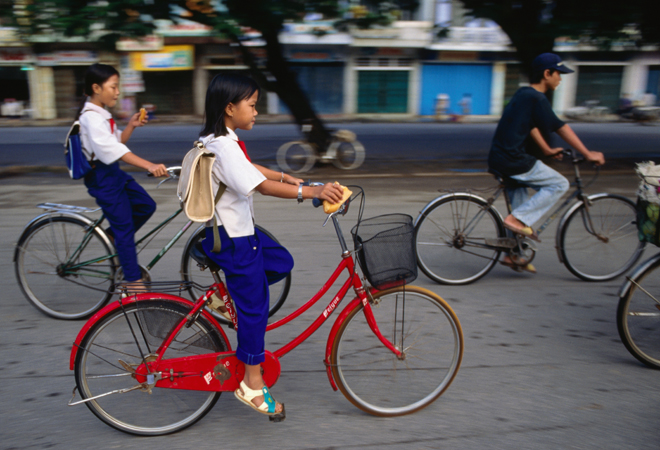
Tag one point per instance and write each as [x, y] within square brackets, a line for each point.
[317, 202]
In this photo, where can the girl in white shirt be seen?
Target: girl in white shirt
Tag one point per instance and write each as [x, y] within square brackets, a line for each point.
[124, 202]
[250, 260]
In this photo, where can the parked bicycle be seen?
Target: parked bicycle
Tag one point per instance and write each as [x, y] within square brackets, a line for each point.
[155, 363]
[67, 266]
[344, 151]
[638, 313]
[459, 236]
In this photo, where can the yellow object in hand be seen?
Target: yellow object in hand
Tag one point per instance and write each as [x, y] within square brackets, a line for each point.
[143, 114]
[329, 208]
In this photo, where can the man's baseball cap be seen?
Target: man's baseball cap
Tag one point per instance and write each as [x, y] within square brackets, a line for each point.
[549, 61]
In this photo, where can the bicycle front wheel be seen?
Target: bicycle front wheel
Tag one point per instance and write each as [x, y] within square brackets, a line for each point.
[348, 155]
[63, 268]
[114, 345]
[296, 157]
[420, 324]
[190, 271]
[600, 244]
[638, 315]
[452, 237]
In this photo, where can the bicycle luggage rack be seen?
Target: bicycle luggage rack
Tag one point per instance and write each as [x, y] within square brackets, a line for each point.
[59, 207]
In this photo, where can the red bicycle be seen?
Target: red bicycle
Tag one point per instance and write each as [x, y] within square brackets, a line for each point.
[155, 363]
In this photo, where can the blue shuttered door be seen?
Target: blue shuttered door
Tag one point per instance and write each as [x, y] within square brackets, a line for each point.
[456, 80]
[324, 85]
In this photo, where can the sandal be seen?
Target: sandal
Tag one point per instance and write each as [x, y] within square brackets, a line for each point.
[524, 231]
[519, 267]
[216, 304]
[246, 395]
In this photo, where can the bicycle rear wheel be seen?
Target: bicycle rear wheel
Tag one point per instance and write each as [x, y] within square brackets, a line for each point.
[348, 155]
[451, 237]
[52, 279]
[608, 250]
[638, 314]
[111, 345]
[372, 377]
[190, 271]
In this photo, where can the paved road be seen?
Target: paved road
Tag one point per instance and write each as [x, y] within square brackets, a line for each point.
[543, 366]
[422, 146]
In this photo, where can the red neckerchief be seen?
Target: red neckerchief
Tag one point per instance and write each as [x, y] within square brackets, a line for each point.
[112, 125]
[241, 144]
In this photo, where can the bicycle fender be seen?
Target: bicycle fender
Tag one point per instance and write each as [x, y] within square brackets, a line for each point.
[643, 267]
[433, 202]
[126, 301]
[355, 303]
[86, 220]
[570, 211]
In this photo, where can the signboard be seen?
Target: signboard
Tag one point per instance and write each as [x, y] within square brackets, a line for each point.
[145, 43]
[16, 56]
[171, 57]
[64, 58]
[131, 81]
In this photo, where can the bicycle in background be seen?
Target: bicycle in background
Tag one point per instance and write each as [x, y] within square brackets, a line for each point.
[67, 266]
[460, 236]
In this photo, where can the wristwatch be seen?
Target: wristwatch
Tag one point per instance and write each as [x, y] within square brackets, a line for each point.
[300, 199]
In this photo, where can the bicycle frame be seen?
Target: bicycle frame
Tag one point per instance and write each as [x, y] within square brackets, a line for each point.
[71, 268]
[223, 371]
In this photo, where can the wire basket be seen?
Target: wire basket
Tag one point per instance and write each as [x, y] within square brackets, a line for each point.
[385, 249]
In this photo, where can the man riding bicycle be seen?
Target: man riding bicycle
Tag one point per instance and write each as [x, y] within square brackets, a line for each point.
[524, 131]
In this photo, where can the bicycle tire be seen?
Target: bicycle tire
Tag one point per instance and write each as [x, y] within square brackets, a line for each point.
[450, 238]
[98, 368]
[638, 314]
[590, 258]
[57, 290]
[296, 157]
[348, 155]
[190, 271]
[372, 377]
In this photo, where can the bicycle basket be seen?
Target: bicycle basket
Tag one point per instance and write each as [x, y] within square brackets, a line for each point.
[385, 249]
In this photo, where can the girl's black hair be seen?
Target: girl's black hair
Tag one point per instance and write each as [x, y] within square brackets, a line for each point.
[225, 88]
[96, 74]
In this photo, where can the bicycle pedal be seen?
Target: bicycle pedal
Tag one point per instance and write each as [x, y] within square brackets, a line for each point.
[278, 417]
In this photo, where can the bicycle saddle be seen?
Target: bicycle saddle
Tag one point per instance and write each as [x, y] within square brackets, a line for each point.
[198, 254]
[505, 180]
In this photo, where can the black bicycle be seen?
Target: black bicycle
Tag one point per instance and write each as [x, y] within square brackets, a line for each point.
[459, 236]
[638, 314]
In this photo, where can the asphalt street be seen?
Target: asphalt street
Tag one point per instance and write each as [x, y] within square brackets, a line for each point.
[543, 366]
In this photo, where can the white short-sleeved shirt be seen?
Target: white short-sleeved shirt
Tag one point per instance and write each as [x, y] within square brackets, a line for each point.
[234, 210]
[97, 137]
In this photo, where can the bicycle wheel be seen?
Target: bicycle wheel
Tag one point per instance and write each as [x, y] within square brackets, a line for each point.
[373, 378]
[451, 237]
[296, 157]
[348, 155]
[594, 258]
[62, 276]
[638, 314]
[190, 271]
[110, 346]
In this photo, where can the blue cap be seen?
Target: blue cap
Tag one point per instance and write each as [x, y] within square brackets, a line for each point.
[549, 61]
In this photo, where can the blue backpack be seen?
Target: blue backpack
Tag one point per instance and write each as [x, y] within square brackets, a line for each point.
[76, 160]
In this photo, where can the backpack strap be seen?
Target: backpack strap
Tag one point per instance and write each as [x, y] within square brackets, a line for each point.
[84, 149]
[217, 243]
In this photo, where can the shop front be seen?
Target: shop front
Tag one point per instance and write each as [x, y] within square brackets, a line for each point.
[15, 64]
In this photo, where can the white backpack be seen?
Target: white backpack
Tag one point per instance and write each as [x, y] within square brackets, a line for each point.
[195, 189]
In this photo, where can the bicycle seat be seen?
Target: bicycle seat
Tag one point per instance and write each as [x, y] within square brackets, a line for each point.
[506, 181]
[199, 255]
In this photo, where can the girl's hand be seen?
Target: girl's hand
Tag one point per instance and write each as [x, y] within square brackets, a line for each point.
[288, 179]
[158, 170]
[332, 192]
[136, 122]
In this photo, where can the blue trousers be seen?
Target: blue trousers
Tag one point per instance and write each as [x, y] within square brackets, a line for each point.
[250, 264]
[549, 183]
[126, 205]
